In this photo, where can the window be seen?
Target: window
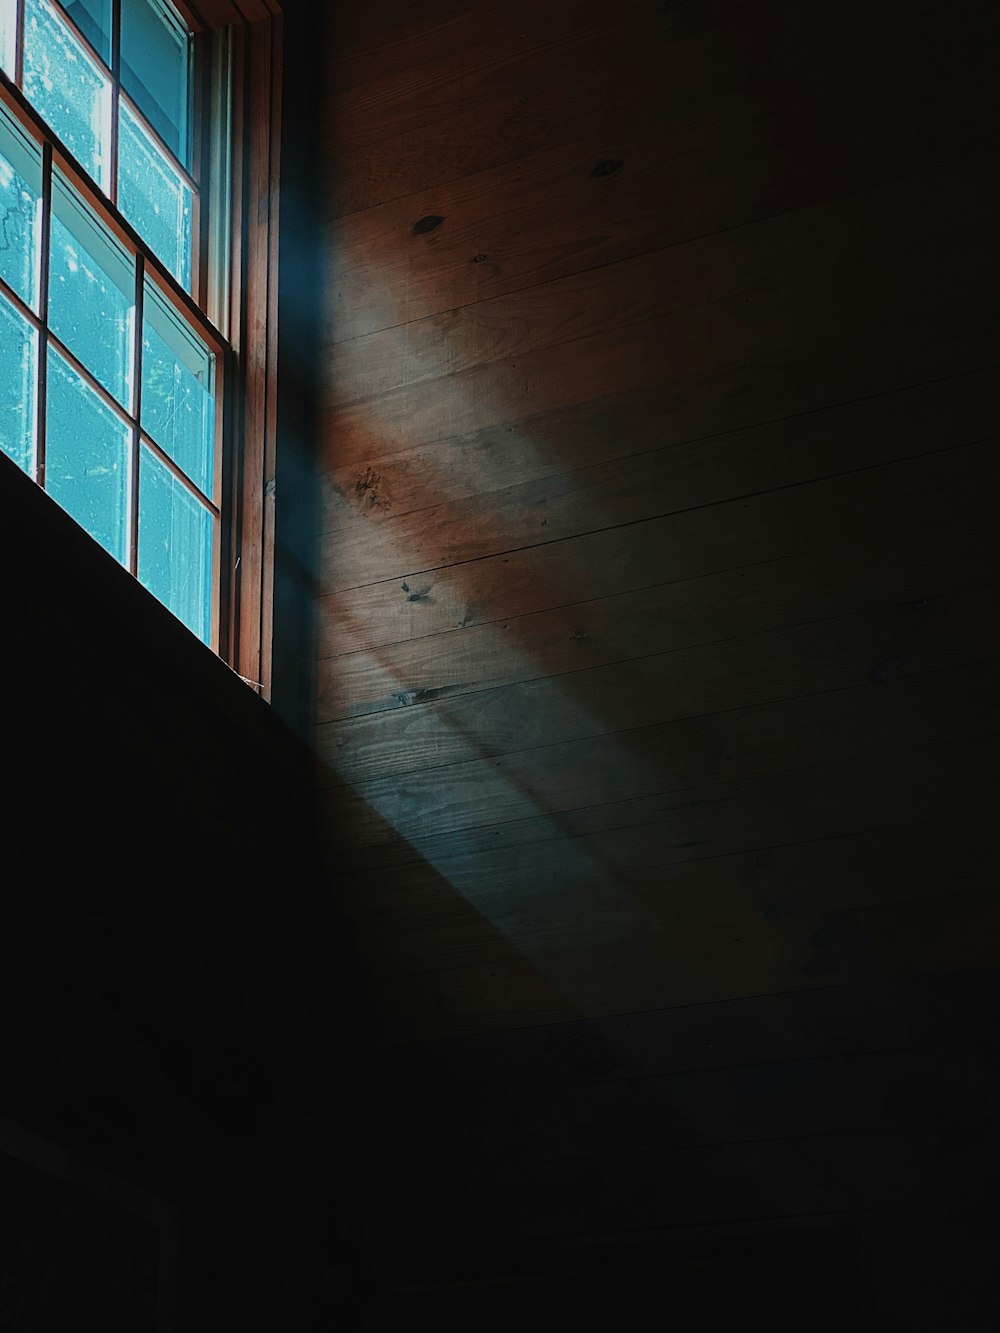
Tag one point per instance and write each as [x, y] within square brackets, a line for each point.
[126, 170]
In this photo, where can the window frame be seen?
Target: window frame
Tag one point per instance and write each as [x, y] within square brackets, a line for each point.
[242, 330]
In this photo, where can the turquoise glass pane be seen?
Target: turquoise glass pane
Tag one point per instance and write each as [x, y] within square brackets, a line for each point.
[18, 378]
[156, 64]
[87, 457]
[154, 197]
[20, 209]
[8, 35]
[178, 390]
[94, 19]
[175, 546]
[91, 292]
[68, 88]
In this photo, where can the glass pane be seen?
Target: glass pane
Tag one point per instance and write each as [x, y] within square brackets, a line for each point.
[68, 89]
[175, 546]
[20, 209]
[8, 35]
[93, 18]
[154, 197]
[87, 457]
[156, 62]
[178, 390]
[18, 369]
[91, 292]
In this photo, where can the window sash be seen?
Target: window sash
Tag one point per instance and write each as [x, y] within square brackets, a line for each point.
[147, 268]
[236, 287]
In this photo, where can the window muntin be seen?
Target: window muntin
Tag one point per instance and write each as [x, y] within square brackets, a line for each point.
[122, 430]
[114, 80]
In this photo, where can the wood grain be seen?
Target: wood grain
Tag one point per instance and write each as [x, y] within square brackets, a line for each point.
[943, 781]
[666, 68]
[731, 265]
[503, 232]
[750, 355]
[657, 653]
[382, 522]
[538, 910]
[869, 719]
[953, 630]
[693, 543]
[799, 589]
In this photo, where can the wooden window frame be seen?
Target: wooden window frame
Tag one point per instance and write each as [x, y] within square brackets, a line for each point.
[252, 405]
[247, 318]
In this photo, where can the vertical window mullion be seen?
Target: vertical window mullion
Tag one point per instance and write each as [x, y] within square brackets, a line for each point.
[43, 311]
[19, 44]
[116, 91]
[133, 526]
[200, 116]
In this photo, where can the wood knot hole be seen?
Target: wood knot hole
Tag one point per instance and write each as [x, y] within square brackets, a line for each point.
[430, 223]
[607, 167]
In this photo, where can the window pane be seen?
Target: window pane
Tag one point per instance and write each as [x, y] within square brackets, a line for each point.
[91, 292]
[178, 390]
[86, 457]
[156, 61]
[20, 209]
[154, 197]
[68, 89]
[93, 18]
[8, 31]
[18, 370]
[175, 545]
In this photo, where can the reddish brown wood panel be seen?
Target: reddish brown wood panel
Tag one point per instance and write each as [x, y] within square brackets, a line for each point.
[657, 660]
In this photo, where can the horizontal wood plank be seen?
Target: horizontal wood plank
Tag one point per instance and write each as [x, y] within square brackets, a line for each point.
[925, 783]
[871, 719]
[482, 65]
[660, 69]
[498, 100]
[795, 520]
[577, 469]
[952, 630]
[800, 589]
[402, 38]
[730, 960]
[501, 233]
[731, 265]
[586, 901]
[727, 333]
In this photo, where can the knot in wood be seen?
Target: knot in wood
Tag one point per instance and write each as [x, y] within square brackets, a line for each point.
[430, 223]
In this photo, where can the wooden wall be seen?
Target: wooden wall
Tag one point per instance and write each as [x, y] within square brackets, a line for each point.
[657, 700]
